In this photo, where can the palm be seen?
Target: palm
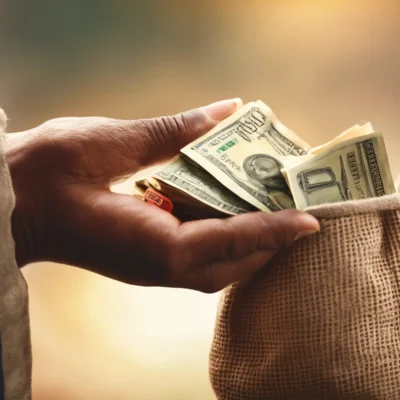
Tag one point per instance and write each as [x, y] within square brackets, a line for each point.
[67, 213]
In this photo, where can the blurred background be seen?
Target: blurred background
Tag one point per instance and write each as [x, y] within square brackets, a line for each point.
[322, 66]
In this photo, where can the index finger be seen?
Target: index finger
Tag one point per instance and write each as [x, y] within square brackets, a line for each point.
[210, 241]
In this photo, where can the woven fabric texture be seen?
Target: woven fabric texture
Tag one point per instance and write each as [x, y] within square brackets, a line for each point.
[14, 309]
[321, 321]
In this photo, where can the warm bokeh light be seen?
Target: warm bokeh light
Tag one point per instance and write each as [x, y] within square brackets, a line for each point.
[322, 66]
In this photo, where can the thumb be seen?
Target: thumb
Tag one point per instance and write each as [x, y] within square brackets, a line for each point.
[149, 141]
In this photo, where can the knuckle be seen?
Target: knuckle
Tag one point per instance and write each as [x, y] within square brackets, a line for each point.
[177, 128]
[262, 224]
[179, 123]
[166, 126]
[164, 131]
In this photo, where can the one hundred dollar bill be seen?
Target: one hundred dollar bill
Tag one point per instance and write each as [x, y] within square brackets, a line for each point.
[353, 169]
[189, 178]
[246, 153]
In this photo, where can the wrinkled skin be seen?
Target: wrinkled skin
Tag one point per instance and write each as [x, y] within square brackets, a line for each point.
[65, 212]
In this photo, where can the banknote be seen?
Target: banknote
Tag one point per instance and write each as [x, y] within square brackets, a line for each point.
[352, 132]
[189, 178]
[246, 153]
[353, 169]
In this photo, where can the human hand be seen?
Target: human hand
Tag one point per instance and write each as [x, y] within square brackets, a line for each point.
[65, 212]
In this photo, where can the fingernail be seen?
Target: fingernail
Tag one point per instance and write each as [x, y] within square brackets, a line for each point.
[304, 234]
[222, 109]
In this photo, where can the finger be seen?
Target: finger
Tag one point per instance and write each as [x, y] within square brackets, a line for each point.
[163, 137]
[238, 253]
[111, 234]
[216, 276]
[122, 238]
[210, 241]
[143, 143]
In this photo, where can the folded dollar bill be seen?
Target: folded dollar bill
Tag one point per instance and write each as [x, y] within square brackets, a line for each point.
[352, 169]
[251, 161]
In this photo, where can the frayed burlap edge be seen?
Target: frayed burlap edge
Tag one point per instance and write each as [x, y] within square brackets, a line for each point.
[14, 307]
[356, 207]
[3, 121]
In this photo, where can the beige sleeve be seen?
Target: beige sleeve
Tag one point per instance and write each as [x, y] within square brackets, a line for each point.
[15, 346]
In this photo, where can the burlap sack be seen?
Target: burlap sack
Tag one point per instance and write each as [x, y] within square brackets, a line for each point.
[15, 345]
[322, 320]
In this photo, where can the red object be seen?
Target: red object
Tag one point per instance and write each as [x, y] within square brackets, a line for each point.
[151, 196]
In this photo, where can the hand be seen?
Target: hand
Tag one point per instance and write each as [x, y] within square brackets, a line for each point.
[65, 212]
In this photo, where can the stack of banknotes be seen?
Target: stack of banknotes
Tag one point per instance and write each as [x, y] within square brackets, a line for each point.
[251, 161]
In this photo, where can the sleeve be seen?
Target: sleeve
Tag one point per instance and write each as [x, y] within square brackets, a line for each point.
[15, 346]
